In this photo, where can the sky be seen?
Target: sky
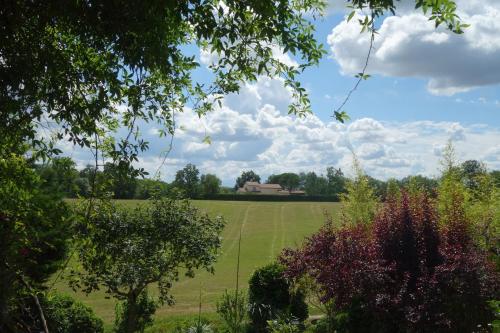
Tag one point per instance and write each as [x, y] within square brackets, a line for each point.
[427, 86]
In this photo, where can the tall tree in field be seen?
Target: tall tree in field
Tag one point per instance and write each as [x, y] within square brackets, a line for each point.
[188, 180]
[128, 249]
[336, 181]
[210, 184]
[289, 181]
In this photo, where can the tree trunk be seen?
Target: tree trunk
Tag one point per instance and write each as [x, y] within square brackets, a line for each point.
[131, 314]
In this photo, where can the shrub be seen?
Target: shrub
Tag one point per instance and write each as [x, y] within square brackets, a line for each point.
[404, 273]
[66, 315]
[232, 308]
[270, 296]
[282, 325]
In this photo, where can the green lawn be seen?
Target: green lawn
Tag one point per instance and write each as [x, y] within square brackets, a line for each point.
[267, 228]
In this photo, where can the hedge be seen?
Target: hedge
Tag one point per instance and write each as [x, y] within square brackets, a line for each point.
[269, 197]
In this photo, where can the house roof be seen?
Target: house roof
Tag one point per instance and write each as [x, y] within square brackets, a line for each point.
[270, 186]
[252, 183]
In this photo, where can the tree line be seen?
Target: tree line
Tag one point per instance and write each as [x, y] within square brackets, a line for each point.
[61, 175]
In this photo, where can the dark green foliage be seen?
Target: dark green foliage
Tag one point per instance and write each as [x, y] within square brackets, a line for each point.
[148, 188]
[34, 229]
[315, 185]
[289, 181]
[135, 316]
[188, 181]
[270, 296]
[59, 176]
[121, 182]
[246, 176]
[336, 181]
[66, 315]
[210, 184]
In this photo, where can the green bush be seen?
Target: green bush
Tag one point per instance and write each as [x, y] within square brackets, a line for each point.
[66, 315]
[232, 308]
[270, 297]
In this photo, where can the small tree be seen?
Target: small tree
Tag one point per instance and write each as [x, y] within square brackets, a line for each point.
[125, 250]
[359, 204]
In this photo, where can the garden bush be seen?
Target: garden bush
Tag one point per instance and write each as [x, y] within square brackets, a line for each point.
[402, 273]
[66, 315]
[270, 297]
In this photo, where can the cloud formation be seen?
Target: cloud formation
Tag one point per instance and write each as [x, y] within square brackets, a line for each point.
[258, 134]
[408, 45]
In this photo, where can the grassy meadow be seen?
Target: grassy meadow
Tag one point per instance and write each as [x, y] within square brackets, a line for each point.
[267, 228]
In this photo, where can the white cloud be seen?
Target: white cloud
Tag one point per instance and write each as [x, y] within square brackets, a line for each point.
[265, 138]
[409, 46]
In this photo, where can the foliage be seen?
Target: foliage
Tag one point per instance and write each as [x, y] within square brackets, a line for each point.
[336, 181]
[188, 181]
[282, 326]
[123, 250]
[60, 176]
[403, 273]
[65, 315]
[91, 67]
[467, 189]
[246, 176]
[144, 308]
[149, 188]
[34, 229]
[314, 184]
[232, 308]
[270, 296]
[210, 184]
[471, 171]
[200, 328]
[289, 181]
[359, 203]
[121, 183]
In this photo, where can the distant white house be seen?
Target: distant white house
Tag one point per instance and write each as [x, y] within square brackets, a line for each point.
[256, 188]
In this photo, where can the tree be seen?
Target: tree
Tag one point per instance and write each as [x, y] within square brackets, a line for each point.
[289, 181]
[471, 171]
[314, 184]
[125, 250]
[148, 188]
[34, 230]
[359, 204]
[188, 181]
[75, 64]
[210, 184]
[121, 182]
[60, 176]
[246, 176]
[336, 181]
[402, 273]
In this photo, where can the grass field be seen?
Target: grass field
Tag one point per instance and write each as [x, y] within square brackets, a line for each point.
[267, 228]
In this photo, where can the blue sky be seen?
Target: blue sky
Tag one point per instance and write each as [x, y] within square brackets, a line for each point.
[427, 86]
